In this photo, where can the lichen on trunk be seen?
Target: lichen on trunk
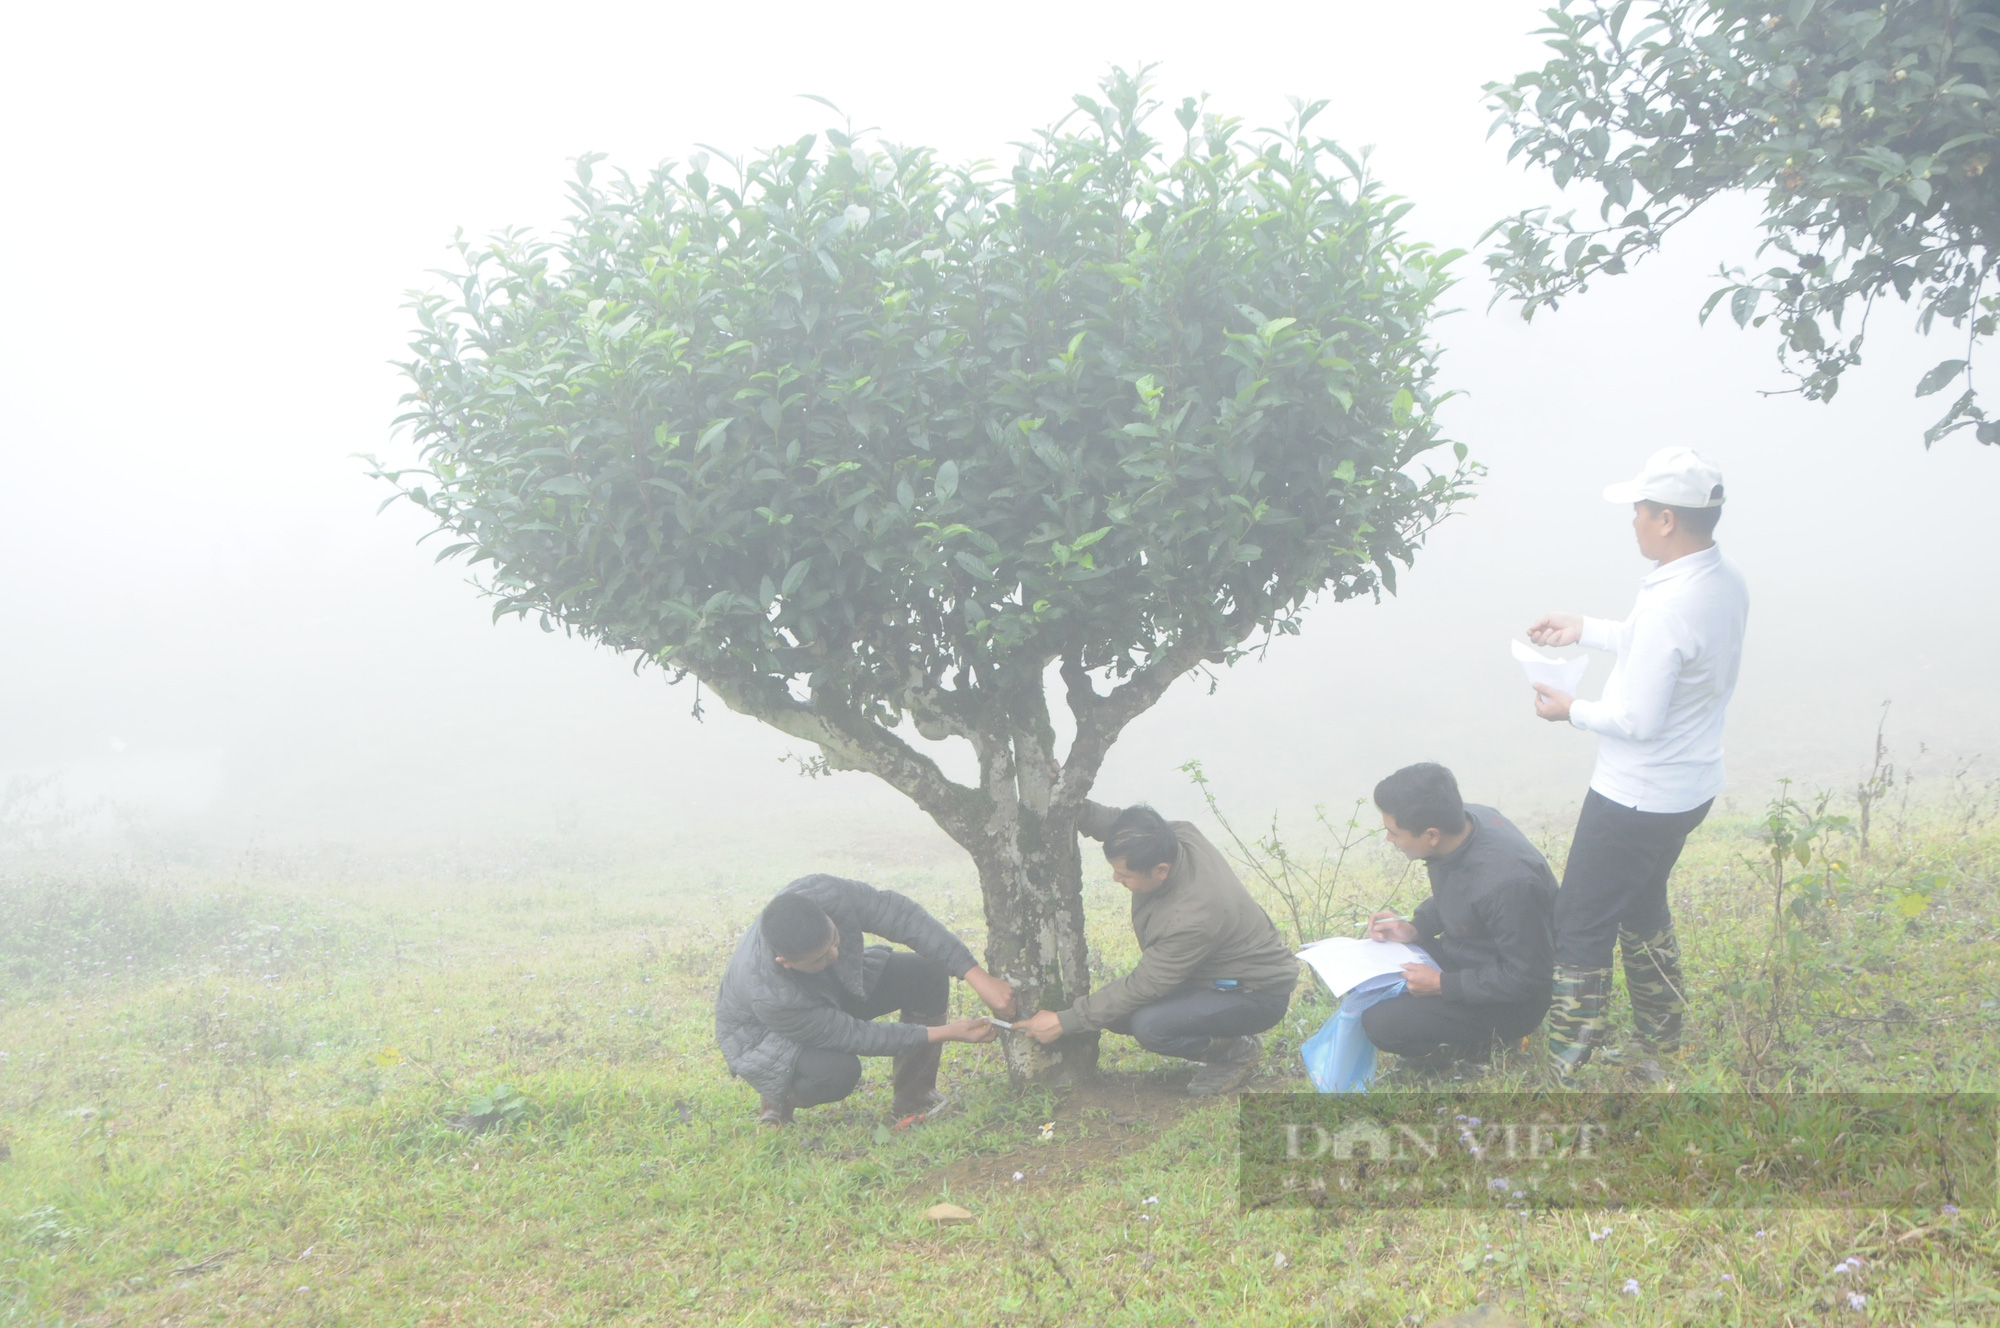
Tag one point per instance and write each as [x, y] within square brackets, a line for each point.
[1035, 940]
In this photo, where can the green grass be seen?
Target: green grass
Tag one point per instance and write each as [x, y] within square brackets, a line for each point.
[225, 1098]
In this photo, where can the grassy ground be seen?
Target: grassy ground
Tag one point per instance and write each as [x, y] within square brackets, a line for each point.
[230, 1098]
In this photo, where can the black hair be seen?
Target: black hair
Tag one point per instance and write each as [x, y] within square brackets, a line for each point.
[794, 926]
[1141, 839]
[1698, 521]
[1422, 797]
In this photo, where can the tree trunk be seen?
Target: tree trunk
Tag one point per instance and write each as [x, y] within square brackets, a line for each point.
[1033, 890]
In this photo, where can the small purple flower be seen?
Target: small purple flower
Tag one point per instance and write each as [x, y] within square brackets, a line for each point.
[1631, 1286]
[1856, 1301]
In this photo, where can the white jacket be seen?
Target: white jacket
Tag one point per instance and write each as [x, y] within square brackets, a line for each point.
[1659, 722]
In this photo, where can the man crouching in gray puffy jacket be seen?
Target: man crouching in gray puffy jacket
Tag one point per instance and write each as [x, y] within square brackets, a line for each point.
[797, 1005]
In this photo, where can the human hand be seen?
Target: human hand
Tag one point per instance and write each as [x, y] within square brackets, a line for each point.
[1551, 704]
[1042, 1027]
[972, 1028]
[998, 993]
[1557, 629]
[1423, 980]
[1388, 926]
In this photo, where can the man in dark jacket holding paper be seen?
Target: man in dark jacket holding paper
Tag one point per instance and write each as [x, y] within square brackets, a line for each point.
[798, 1003]
[1489, 922]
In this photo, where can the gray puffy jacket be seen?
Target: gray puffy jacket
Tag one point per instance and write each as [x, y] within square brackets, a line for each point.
[765, 1015]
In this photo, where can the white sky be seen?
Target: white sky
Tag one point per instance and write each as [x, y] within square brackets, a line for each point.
[211, 217]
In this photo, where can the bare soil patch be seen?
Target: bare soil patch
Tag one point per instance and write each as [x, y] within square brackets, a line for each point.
[1094, 1122]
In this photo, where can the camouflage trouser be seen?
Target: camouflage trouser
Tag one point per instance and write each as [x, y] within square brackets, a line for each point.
[1577, 1015]
[1653, 981]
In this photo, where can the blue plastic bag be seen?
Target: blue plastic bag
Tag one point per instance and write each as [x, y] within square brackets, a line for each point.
[1340, 1058]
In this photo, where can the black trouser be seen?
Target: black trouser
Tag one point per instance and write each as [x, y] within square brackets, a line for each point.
[917, 987]
[1424, 1026]
[1181, 1022]
[1616, 878]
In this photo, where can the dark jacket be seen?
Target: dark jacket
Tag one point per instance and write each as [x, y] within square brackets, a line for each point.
[1201, 925]
[766, 1014]
[1490, 920]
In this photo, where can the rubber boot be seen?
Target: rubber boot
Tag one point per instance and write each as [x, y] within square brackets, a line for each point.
[1577, 1016]
[914, 1079]
[1228, 1064]
[1653, 981]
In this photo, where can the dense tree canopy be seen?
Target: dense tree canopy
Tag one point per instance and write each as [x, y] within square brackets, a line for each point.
[857, 439]
[1870, 129]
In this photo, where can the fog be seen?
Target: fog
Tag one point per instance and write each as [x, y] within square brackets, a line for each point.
[211, 221]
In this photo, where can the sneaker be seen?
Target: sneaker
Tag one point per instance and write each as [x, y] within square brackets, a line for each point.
[1230, 1070]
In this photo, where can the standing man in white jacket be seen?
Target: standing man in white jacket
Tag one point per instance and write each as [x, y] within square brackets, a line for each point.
[1659, 756]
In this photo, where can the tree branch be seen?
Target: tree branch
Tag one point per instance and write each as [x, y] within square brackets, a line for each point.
[939, 714]
[850, 742]
[1100, 718]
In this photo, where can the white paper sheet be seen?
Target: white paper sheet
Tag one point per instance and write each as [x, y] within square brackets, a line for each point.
[1561, 674]
[1343, 962]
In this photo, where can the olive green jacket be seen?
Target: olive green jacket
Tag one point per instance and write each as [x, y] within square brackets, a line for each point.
[1199, 926]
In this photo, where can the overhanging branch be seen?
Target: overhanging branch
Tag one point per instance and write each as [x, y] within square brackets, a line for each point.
[1100, 717]
[850, 742]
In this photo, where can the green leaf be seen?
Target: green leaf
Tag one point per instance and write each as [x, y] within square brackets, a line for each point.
[947, 480]
[1744, 303]
[1940, 377]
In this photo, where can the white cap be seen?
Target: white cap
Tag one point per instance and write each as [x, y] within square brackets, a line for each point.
[1673, 477]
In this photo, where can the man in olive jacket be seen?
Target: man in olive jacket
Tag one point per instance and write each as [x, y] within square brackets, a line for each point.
[1489, 922]
[1212, 972]
[798, 1003]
